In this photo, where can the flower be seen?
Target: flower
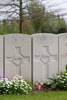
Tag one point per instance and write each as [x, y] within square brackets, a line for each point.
[15, 86]
[66, 53]
[39, 85]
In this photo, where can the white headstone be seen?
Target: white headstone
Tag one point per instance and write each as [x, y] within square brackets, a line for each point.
[1, 56]
[45, 56]
[18, 56]
[62, 51]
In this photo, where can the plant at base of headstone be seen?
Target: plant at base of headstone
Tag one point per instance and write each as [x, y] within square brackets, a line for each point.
[19, 86]
[15, 86]
[66, 67]
[60, 81]
[5, 85]
[43, 86]
[57, 83]
[39, 85]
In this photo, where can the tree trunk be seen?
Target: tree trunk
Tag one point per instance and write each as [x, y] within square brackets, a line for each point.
[20, 17]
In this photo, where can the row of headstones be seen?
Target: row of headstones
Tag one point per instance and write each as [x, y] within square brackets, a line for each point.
[35, 57]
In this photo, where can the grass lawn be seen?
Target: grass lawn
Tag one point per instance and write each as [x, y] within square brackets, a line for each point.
[37, 96]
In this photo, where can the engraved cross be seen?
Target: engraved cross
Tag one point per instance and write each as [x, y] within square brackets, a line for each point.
[17, 61]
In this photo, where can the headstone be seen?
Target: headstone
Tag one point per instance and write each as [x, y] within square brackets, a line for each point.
[45, 56]
[1, 56]
[18, 56]
[62, 51]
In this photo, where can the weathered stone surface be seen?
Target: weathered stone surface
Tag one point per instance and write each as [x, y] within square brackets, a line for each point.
[1, 56]
[45, 56]
[18, 56]
[62, 51]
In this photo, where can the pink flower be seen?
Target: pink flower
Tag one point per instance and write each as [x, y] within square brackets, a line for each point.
[66, 53]
[39, 83]
[40, 88]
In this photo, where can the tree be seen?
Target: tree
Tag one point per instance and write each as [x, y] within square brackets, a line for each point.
[28, 27]
[32, 16]
[19, 9]
[16, 9]
[44, 21]
[53, 23]
[8, 27]
[36, 12]
[32, 9]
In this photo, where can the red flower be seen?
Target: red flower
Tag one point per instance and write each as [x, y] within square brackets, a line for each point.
[40, 88]
[39, 83]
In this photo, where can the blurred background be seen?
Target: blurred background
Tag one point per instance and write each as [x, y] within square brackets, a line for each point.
[33, 16]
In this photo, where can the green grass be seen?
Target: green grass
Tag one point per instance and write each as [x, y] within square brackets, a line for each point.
[37, 96]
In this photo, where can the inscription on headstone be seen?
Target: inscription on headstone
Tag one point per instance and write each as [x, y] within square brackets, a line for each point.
[45, 56]
[18, 56]
[62, 51]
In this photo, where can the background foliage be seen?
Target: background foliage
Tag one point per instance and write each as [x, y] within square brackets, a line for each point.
[38, 20]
